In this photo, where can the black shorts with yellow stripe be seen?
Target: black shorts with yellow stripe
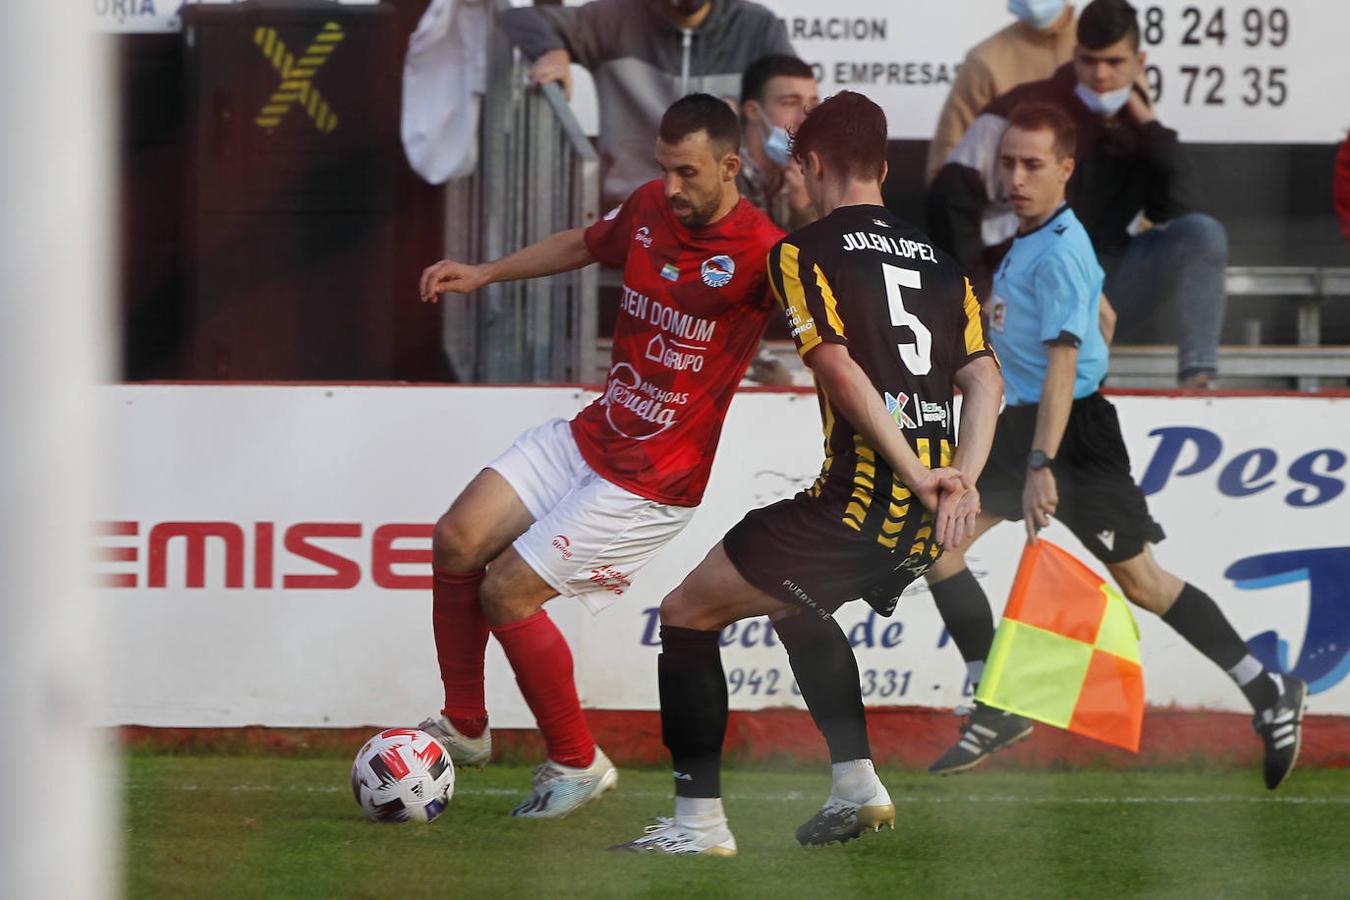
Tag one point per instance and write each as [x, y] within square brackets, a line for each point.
[837, 541]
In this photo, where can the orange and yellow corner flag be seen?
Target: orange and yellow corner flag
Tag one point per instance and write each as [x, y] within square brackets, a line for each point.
[1067, 651]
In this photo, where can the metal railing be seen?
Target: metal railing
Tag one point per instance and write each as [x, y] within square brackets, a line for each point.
[1307, 365]
[537, 174]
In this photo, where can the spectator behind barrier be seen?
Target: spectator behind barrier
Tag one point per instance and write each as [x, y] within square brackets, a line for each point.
[1132, 189]
[1341, 189]
[644, 55]
[1030, 49]
[776, 93]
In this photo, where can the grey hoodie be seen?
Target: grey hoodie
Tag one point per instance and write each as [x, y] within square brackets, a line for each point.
[642, 63]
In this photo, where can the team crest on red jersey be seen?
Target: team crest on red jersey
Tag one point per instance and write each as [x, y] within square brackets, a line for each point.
[718, 271]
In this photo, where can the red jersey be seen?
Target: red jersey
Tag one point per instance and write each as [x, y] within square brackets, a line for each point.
[695, 302]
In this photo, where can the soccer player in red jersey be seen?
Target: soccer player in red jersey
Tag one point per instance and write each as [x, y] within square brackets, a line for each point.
[577, 508]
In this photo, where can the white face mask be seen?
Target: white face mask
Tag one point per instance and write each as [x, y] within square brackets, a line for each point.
[1039, 14]
[777, 145]
[1107, 104]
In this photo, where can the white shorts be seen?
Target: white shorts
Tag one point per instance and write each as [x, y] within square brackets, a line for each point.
[590, 536]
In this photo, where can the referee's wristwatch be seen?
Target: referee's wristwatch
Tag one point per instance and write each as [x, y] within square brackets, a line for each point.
[1038, 459]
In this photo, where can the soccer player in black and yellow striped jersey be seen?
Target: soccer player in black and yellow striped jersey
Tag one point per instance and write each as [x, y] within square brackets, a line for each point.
[862, 285]
[888, 325]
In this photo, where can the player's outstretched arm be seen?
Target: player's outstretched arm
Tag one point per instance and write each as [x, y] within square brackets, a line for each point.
[560, 252]
[853, 397]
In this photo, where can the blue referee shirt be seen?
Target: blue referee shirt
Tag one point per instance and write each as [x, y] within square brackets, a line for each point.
[1048, 291]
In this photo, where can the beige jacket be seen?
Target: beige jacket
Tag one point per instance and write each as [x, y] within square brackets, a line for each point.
[1017, 54]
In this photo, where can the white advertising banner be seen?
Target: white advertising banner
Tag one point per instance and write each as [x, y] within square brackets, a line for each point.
[1231, 71]
[1223, 71]
[264, 552]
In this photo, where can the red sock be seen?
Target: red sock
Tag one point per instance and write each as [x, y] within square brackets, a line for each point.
[461, 639]
[543, 664]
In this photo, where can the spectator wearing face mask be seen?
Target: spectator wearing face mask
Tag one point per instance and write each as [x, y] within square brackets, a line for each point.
[1032, 48]
[644, 55]
[776, 94]
[1132, 188]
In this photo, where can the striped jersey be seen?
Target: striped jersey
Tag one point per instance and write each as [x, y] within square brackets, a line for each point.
[863, 278]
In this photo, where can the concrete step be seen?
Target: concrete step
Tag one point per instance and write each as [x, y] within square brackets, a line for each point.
[1267, 366]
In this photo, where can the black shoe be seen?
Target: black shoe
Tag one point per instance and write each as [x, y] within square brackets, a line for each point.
[840, 821]
[1281, 729]
[986, 730]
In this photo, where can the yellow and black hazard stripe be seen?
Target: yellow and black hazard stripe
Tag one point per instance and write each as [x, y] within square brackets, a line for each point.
[297, 77]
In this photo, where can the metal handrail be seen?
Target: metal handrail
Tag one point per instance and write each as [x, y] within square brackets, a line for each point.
[1292, 281]
[538, 173]
[568, 122]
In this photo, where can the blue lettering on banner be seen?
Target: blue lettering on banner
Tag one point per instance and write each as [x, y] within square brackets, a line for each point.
[749, 633]
[759, 632]
[1325, 658]
[864, 633]
[1236, 481]
[121, 10]
[650, 634]
[1248, 473]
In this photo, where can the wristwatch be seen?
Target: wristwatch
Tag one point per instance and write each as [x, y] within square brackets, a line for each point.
[1037, 460]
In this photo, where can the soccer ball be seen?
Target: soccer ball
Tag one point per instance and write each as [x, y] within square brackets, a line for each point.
[402, 775]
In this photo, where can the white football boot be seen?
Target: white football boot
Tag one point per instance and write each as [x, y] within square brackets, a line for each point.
[559, 789]
[664, 836]
[464, 751]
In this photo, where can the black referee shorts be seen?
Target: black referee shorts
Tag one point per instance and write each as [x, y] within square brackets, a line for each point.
[799, 551]
[1098, 499]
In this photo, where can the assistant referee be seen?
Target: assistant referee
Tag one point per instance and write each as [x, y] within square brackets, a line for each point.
[1058, 451]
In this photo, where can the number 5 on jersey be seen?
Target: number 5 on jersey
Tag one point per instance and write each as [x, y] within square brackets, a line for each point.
[918, 355]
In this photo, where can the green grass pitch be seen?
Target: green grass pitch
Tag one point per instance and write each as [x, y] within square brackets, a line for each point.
[252, 826]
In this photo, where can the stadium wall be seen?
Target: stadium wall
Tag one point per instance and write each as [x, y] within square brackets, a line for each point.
[263, 552]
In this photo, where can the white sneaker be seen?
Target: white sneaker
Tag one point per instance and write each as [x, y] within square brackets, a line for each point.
[464, 751]
[559, 789]
[664, 836]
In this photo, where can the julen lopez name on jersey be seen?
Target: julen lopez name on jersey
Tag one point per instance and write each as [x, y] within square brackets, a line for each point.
[867, 240]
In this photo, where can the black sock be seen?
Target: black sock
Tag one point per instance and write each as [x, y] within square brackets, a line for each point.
[965, 611]
[1199, 620]
[827, 674]
[693, 708]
